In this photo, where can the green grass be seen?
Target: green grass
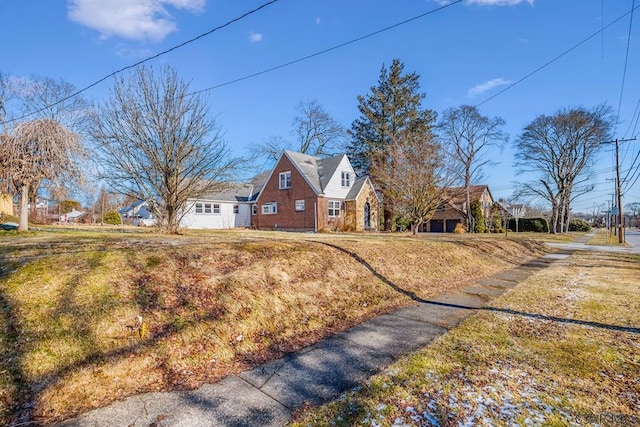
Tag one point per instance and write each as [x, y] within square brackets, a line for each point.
[559, 349]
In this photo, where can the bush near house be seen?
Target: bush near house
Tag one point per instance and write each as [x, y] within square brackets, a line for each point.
[535, 225]
[579, 225]
[112, 217]
[478, 217]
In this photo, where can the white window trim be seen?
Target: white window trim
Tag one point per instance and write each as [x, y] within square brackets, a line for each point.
[334, 209]
[270, 208]
[284, 180]
[345, 179]
[300, 205]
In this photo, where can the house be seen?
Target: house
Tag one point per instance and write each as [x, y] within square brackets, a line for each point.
[75, 217]
[453, 210]
[228, 208]
[305, 192]
[138, 213]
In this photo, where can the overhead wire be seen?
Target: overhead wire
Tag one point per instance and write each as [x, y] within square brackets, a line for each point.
[322, 52]
[256, 74]
[149, 58]
[546, 64]
[624, 75]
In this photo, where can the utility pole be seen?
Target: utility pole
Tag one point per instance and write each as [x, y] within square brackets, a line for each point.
[619, 191]
[619, 217]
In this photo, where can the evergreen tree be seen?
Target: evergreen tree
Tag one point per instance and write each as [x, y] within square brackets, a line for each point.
[392, 107]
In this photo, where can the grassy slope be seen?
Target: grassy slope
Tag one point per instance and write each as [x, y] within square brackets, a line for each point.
[209, 305]
[561, 349]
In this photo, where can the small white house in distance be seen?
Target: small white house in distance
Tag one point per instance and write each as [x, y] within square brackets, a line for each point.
[227, 209]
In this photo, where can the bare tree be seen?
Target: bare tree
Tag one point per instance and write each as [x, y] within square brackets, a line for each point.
[44, 98]
[37, 150]
[466, 136]
[272, 148]
[420, 165]
[317, 133]
[559, 149]
[158, 143]
[53, 99]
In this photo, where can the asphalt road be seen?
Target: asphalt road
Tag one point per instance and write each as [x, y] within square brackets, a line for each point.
[632, 237]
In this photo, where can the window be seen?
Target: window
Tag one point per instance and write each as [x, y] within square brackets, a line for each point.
[254, 210]
[346, 179]
[334, 208]
[299, 205]
[285, 180]
[270, 209]
[236, 209]
[207, 208]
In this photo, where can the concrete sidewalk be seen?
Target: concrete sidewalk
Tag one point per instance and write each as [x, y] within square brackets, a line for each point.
[268, 394]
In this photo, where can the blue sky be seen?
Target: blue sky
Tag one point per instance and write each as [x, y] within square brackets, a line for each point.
[464, 54]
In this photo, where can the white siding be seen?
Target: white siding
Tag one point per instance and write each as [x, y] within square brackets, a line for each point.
[334, 188]
[225, 219]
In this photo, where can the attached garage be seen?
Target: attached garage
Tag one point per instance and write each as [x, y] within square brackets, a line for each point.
[451, 225]
[436, 226]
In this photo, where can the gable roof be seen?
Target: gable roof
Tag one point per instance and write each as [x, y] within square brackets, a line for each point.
[357, 187]
[458, 195]
[315, 170]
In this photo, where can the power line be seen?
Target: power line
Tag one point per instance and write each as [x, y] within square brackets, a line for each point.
[157, 55]
[313, 55]
[556, 58]
[624, 75]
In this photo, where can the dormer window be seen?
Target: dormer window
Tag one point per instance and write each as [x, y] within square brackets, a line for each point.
[346, 179]
[285, 180]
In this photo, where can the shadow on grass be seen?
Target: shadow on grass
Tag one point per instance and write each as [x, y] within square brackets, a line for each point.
[536, 316]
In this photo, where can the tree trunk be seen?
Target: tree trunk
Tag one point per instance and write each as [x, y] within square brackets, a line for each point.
[387, 211]
[24, 209]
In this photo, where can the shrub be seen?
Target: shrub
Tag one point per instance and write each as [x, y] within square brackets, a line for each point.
[497, 225]
[112, 217]
[476, 212]
[579, 225]
[460, 228]
[535, 225]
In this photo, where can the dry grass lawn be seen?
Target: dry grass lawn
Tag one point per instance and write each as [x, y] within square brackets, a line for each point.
[88, 317]
[562, 349]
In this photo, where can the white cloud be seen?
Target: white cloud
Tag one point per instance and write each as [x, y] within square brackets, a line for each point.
[486, 86]
[255, 37]
[130, 19]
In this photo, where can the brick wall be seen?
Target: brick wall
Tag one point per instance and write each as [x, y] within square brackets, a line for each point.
[287, 217]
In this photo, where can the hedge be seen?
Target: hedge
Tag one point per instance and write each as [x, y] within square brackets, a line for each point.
[535, 225]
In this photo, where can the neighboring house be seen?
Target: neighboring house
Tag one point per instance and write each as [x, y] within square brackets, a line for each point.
[75, 217]
[304, 192]
[512, 209]
[453, 210]
[138, 213]
[230, 208]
